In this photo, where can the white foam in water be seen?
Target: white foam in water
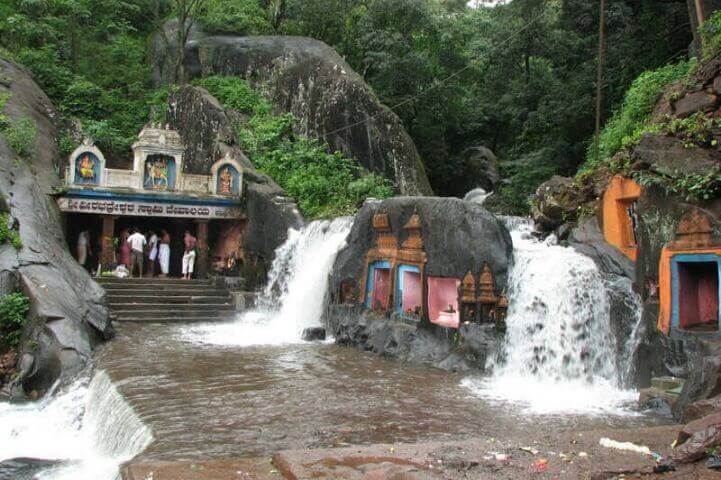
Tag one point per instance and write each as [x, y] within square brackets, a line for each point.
[559, 354]
[295, 294]
[88, 426]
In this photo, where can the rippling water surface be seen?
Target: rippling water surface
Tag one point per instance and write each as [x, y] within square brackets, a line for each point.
[205, 400]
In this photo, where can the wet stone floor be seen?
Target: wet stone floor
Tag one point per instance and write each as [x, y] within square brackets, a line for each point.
[209, 401]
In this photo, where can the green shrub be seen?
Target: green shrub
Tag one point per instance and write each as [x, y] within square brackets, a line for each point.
[20, 134]
[711, 35]
[626, 126]
[9, 234]
[13, 316]
[323, 183]
[235, 93]
[239, 17]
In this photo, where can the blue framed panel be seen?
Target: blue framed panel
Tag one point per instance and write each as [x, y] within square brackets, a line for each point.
[399, 284]
[370, 279]
[675, 282]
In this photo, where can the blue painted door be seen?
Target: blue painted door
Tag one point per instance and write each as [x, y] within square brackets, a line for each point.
[370, 279]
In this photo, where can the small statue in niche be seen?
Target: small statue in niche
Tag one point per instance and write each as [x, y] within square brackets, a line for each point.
[226, 181]
[86, 167]
[158, 174]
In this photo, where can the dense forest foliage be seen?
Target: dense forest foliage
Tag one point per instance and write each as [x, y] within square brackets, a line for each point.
[518, 78]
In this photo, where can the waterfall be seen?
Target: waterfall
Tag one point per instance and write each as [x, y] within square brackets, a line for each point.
[88, 427]
[293, 299]
[560, 353]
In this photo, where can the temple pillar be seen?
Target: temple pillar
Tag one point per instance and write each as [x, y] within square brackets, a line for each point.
[201, 264]
[107, 253]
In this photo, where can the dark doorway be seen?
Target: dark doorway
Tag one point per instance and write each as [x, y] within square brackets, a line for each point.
[176, 227]
[698, 296]
[76, 223]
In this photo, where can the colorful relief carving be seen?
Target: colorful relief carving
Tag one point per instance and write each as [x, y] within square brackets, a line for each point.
[87, 169]
[387, 253]
[619, 215]
[159, 173]
[484, 306]
[689, 272]
[228, 180]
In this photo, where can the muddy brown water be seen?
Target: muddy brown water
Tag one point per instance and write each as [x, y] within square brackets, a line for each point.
[203, 401]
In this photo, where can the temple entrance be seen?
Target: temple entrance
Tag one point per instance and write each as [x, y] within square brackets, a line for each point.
[224, 240]
[410, 290]
[698, 295]
[378, 285]
[443, 301]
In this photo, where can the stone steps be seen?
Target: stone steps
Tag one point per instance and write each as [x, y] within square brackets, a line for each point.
[167, 300]
[139, 299]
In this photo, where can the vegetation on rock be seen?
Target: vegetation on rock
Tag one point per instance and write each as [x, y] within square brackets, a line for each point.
[14, 309]
[8, 234]
[323, 183]
[18, 132]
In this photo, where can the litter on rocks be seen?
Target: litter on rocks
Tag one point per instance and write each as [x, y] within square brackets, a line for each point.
[627, 446]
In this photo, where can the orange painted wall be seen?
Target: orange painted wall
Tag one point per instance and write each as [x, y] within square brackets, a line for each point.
[617, 227]
[664, 282]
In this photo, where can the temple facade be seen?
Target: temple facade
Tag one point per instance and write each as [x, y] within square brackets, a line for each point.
[689, 279]
[158, 192]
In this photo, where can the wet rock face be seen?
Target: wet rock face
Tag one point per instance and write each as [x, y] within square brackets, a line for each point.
[309, 79]
[452, 350]
[69, 314]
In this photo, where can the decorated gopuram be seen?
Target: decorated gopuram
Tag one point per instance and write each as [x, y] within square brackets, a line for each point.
[156, 192]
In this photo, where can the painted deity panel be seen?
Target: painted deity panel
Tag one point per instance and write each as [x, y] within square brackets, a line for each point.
[159, 173]
[227, 180]
[87, 169]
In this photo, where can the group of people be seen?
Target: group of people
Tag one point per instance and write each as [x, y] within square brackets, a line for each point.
[137, 251]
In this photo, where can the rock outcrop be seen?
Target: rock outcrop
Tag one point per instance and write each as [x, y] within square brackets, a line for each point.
[554, 203]
[481, 168]
[309, 79]
[207, 130]
[68, 315]
[458, 237]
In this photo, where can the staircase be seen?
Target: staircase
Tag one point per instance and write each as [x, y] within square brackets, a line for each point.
[167, 300]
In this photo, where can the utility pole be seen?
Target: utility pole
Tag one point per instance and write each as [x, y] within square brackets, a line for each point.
[599, 79]
[699, 12]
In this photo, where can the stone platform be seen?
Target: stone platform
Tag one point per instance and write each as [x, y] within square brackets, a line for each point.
[567, 455]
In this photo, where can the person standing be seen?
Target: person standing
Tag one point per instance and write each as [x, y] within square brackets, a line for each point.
[164, 253]
[152, 252]
[189, 255]
[84, 247]
[124, 248]
[137, 246]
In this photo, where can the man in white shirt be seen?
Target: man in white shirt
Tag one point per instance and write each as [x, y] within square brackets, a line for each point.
[137, 245]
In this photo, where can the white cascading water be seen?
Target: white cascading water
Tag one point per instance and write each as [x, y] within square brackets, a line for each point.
[88, 427]
[294, 296]
[559, 354]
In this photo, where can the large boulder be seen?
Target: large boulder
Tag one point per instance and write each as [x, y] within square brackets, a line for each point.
[69, 314]
[481, 168]
[554, 203]
[207, 131]
[309, 79]
[458, 237]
